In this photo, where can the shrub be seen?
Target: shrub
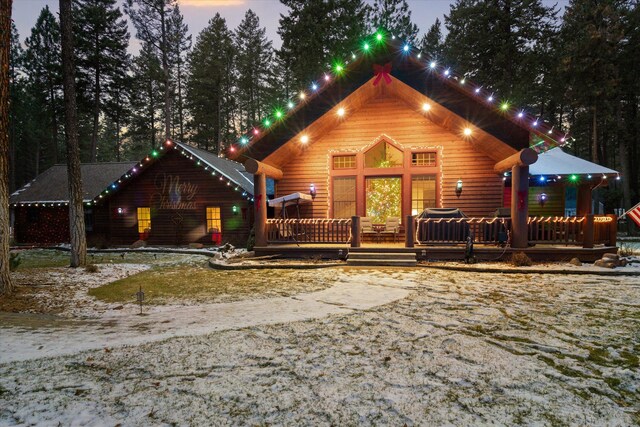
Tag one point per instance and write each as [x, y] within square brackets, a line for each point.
[625, 250]
[14, 261]
[91, 268]
[520, 259]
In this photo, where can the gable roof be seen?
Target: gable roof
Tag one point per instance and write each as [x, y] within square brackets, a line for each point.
[557, 162]
[230, 169]
[100, 180]
[51, 186]
[513, 126]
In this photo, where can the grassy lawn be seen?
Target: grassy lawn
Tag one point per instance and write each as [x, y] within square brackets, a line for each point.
[201, 284]
[48, 258]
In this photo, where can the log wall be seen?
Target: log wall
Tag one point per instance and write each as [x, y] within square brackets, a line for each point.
[410, 129]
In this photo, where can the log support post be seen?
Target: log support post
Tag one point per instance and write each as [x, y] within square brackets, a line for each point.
[519, 207]
[588, 233]
[613, 230]
[409, 232]
[260, 205]
[355, 231]
[584, 200]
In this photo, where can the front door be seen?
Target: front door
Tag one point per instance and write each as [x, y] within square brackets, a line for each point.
[383, 198]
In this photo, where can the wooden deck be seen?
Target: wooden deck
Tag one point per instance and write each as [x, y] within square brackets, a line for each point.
[438, 253]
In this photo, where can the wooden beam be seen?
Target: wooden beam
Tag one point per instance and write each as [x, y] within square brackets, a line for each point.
[260, 205]
[523, 157]
[519, 207]
[255, 167]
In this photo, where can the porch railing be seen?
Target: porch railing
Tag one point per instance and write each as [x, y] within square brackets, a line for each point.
[584, 231]
[456, 230]
[308, 230]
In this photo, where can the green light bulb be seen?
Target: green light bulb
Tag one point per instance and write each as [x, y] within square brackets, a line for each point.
[379, 37]
[278, 114]
[366, 46]
[504, 106]
[267, 122]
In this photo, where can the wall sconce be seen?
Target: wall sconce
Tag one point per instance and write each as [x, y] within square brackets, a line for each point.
[234, 209]
[312, 191]
[542, 198]
[459, 188]
[120, 211]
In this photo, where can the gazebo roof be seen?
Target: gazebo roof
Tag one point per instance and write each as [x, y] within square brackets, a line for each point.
[557, 162]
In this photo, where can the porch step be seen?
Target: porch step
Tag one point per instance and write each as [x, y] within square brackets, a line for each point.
[389, 259]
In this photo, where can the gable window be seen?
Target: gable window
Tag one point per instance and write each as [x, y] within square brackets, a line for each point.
[427, 158]
[214, 221]
[423, 193]
[344, 197]
[383, 155]
[144, 220]
[344, 162]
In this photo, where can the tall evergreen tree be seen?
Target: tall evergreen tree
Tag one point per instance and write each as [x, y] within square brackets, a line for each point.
[209, 86]
[152, 19]
[74, 176]
[254, 65]
[496, 43]
[6, 285]
[17, 96]
[146, 102]
[42, 61]
[432, 42]
[180, 41]
[101, 56]
[395, 17]
[592, 33]
[316, 32]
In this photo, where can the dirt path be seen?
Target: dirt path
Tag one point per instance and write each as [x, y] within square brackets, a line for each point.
[31, 336]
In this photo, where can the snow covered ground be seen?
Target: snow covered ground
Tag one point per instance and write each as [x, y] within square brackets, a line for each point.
[444, 348]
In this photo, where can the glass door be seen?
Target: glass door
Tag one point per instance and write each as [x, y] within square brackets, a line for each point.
[383, 198]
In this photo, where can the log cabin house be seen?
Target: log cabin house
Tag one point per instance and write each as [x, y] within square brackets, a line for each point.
[389, 135]
[176, 195]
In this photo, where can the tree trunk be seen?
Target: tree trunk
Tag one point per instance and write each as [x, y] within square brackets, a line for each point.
[623, 151]
[594, 135]
[180, 101]
[166, 74]
[96, 114]
[6, 286]
[76, 211]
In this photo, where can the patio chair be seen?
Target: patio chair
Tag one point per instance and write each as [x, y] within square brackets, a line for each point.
[391, 227]
[366, 227]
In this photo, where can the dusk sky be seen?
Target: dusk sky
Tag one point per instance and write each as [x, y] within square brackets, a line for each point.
[198, 12]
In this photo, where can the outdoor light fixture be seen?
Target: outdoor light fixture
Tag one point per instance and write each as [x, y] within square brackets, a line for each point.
[120, 211]
[235, 209]
[467, 131]
[542, 199]
[459, 187]
[426, 107]
[304, 139]
[312, 191]
[341, 112]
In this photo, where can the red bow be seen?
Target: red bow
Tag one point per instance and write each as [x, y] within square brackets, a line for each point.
[382, 72]
[258, 201]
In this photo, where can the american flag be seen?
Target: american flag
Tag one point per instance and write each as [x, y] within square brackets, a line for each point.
[634, 214]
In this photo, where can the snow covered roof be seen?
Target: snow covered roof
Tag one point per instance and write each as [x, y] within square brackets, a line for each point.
[557, 162]
[51, 186]
[230, 169]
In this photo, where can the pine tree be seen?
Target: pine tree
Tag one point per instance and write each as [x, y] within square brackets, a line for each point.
[180, 41]
[101, 57]
[6, 285]
[146, 104]
[496, 43]
[209, 87]
[152, 19]
[42, 62]
[592, 33]
[317, 32]
[76, 193]
[432, 42]
[254, 65]
[393, 16]
[17, 95]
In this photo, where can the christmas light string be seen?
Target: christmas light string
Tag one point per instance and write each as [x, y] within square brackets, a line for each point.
[548, 135]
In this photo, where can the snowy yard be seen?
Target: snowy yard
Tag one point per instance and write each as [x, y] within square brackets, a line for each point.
[444, 347]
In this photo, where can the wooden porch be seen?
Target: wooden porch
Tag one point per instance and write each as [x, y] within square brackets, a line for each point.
[549, 238]
[436, 253]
